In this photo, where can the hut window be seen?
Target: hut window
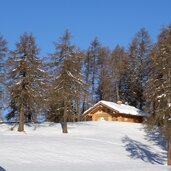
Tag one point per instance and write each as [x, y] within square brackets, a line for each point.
[102, 119]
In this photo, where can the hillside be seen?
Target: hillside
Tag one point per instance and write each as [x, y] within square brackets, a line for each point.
[92, 146]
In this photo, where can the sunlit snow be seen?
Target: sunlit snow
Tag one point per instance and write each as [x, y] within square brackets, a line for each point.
[89, 146]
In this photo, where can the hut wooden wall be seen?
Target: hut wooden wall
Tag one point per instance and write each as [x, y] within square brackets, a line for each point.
[127, 118]
[100, 115]
[103, 113]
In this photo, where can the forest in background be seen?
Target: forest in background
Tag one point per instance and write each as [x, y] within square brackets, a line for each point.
[62, 85]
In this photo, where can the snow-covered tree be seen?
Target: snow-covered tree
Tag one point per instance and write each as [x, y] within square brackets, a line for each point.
[158, 93]
[67, 85]
[3, 58]
[26, 81]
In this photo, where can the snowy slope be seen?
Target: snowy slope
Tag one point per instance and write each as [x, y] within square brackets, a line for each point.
[89, 146]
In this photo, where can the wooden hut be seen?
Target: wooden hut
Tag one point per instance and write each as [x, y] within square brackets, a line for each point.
[110, 111]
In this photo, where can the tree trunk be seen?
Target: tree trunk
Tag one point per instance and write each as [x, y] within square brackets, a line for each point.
[141, 101]
[86, 96]
[78, 110]
[21, 119]
[93, 92]
[169, 152]
[169, 142]
[64, 126]
[86, 102]
[117, 92]
[93, 82]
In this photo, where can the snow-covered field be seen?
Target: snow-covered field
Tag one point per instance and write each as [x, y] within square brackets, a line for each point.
[89, 146]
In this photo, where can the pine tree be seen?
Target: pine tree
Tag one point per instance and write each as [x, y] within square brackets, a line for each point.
[158, 91]
[26, 81]
[67, 85]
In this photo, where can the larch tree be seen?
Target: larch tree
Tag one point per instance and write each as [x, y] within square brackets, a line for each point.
[119, 63]
[158, 91]
[138, 68]
[132, 72]
[86, 73]
[3, 58]
[92, 71]
[67, 83]
[26, 81]
[105, 87]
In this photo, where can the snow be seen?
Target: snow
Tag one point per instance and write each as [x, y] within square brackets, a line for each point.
[93, 146]
[19, 82]
[19, 60]
[69, 74]
[76, 79]
[121, 108]
[162, 95]
[14, 69]
[41, 70]
[42, 83]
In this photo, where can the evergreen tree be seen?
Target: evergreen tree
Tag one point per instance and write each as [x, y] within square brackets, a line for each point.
[26, 81]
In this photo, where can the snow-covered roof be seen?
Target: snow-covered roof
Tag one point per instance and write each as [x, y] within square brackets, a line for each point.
[121, 108]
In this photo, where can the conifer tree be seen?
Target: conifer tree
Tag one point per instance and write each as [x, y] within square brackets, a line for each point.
[138, 68]
[92, 71]
[105, 87]
[3, 58]
[86, 72]
[67, 84]
[119, 62]
[26, 81]
[158, 93]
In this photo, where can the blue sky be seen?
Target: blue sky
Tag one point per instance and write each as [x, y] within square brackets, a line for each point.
[112, 21]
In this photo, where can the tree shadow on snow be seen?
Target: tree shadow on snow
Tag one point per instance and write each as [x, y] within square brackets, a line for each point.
[2, 169]
[81, 123]
[138, 150]
[44, 125]
[155, 137]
